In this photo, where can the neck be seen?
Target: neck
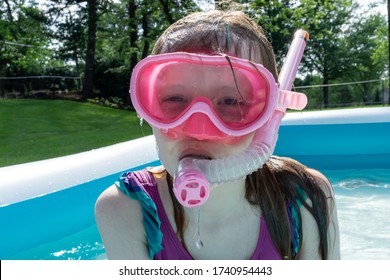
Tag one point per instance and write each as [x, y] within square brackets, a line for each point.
[223, 199]
[226, 212]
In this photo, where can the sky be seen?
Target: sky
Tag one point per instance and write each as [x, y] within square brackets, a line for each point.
[209, 4]
[381, 7]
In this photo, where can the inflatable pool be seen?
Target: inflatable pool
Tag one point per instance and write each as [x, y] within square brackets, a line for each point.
[46, 201]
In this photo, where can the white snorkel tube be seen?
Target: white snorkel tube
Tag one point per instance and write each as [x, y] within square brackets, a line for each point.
[194, 176]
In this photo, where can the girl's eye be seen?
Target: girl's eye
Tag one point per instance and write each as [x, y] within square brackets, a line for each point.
[174, 105]
[229, 101]
[176, 99]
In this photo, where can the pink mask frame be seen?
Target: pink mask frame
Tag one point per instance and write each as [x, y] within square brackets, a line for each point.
[140, 92]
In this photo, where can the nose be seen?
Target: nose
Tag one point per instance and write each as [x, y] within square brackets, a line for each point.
[200, 127]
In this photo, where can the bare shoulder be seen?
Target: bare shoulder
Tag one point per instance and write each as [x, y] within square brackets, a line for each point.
[114, 202]
[322, 182]
[310, 228]
[120, 223]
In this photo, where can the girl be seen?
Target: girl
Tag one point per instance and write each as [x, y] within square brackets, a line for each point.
[208, 93]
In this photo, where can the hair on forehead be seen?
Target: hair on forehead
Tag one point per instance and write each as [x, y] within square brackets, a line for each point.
[214, 32]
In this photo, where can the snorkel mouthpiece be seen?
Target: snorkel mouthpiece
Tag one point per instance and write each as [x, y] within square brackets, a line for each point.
[194, 176]
[190, 186]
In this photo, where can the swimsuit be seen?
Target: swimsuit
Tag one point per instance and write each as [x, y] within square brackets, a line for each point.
[163, 242]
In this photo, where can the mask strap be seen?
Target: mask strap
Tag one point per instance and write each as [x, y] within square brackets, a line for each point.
[227, 35]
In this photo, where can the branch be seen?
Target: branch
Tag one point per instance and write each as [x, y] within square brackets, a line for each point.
[167, 13]
[11, 19]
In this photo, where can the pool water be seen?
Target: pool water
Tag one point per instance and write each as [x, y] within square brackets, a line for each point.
[363, 203]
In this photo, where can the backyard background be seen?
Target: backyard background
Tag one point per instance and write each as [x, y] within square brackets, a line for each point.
[65, 65]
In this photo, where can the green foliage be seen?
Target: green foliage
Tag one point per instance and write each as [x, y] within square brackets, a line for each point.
[115, 47]
[313, 93]
[23, 38]
[325, 21]
[366, 58]
[275, 17]
[68, 25]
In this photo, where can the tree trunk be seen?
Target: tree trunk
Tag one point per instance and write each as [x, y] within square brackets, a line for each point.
[131, 11]
[167, 11]
[325, 82]
[91, 44]
[325, 91]
[11, 20]
[145, 27]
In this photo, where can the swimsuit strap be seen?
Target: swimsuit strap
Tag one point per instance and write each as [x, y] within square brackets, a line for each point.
[135, 185]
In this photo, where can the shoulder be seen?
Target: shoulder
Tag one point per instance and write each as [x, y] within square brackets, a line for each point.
[113, 200]
[321, 181]
[309, 224]
[120, 223]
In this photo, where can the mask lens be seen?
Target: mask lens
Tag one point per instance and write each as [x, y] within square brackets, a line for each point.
[236, 95]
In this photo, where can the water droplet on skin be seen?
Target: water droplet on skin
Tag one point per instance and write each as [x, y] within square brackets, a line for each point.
[199, 244]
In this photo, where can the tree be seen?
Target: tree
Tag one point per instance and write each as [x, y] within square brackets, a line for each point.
[71, 17]
[67, 24]
[365, 41]
[92, 7]
[23, 37]
[24, 43]
[325, 20]
[137, 26]
[276, 17]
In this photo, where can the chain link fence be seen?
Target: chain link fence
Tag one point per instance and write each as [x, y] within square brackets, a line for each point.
[349, 94]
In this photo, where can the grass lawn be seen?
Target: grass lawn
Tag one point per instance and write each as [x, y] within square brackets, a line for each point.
[33, 129]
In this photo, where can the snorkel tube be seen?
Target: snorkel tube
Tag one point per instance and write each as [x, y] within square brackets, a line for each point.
[193, 177]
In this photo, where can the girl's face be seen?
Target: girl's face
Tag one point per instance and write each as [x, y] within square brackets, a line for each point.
[173, 146]
[172, 150]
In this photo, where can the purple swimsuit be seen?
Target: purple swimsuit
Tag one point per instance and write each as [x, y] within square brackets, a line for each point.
[162, 240]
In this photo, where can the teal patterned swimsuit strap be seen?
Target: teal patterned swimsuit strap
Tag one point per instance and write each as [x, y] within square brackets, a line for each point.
[132, 184]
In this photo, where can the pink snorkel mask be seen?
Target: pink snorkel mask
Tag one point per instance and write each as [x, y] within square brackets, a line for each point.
[216, 98]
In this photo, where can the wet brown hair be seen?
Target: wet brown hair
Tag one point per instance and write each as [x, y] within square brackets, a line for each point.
[215, 32]
[278, 183]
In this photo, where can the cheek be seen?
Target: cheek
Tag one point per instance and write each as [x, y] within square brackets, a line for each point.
[238, 146]
[167, 151]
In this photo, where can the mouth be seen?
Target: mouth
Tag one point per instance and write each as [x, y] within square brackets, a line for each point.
[195, 155]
